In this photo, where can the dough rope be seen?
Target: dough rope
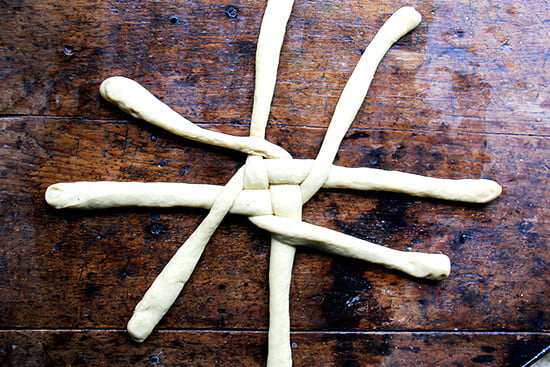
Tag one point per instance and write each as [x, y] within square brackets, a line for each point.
[285, 199]
[110, 194]
[167, 286]
[271, 187]
[400, 23]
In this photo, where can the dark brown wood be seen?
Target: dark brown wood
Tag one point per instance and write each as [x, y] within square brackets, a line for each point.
[463, 96]
[229, 348]
[476, 67]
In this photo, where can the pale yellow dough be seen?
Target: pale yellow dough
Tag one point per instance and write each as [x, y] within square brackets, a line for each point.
[109, 194]
[169, 283]
[298, 233]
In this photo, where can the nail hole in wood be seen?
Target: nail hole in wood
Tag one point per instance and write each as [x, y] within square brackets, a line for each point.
[231, 11]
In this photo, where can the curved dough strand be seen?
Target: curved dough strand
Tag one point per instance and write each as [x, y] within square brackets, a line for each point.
[298, 233]
[351, 99]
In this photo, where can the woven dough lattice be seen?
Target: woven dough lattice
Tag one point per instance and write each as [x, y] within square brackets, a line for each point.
[271, 187]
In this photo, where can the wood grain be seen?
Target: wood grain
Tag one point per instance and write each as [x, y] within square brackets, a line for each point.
[463, 96]
[227, 348]
[467, 67]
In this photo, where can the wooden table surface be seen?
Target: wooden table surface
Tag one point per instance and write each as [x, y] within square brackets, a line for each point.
[465, 95]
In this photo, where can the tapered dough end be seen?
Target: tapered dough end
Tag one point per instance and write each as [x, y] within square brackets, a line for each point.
[428, 266]
[110, 87]
[489, 190]
[140, 327]
[444, 268]
[73, 195]
[479, 191]
[403, 21]
[57, 196]
[52, 195]
[409, 13]
[126, 93]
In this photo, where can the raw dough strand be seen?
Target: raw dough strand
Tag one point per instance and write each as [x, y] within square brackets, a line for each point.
[110, 194]
[268, 50]
[351, 99]
[167, 286]
[286, 200]
[298, 233]
[137, 101]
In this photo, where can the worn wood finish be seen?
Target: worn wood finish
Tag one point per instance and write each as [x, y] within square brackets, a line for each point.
[476, 67]
[463, 96]
[227, 348]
